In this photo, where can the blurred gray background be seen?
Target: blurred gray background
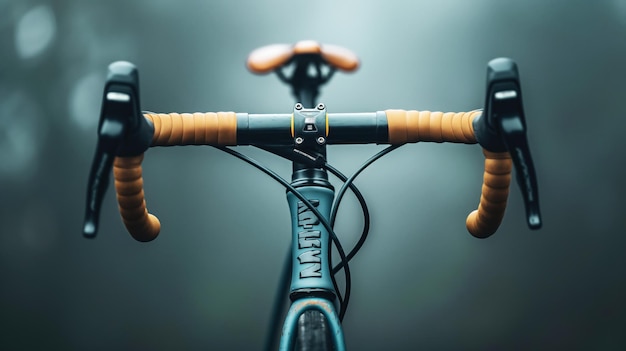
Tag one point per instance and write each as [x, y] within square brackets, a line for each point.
[208, 281]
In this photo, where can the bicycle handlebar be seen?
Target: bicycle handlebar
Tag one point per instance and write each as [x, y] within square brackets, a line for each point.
[124, 134]
[221, 129]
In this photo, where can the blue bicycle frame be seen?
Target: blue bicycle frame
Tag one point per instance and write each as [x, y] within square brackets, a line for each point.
[311, 284]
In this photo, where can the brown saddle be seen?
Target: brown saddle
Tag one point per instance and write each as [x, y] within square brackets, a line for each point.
[270, 57]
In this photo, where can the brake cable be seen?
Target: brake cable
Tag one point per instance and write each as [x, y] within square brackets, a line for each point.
[323, 221]
[318, 160]
[348, 183]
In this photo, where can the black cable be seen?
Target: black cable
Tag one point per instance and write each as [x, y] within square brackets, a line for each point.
[364, 208]
[343, 300]
[366, 215]
[307, 203]
[348, 183]
[290, 155]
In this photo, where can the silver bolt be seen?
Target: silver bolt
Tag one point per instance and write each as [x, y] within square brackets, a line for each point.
[321, 140]
[299, 106]
[320, 106]
[299, 140]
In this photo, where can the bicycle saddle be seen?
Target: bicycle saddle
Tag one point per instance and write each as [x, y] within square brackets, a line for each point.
[270, 57]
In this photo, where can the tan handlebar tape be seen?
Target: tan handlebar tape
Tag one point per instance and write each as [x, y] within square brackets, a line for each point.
[141, 225]
[194, 129]
[169, 129]
[484, 221]
[413, 126]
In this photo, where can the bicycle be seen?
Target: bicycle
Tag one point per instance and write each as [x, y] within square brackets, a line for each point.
[301, 136]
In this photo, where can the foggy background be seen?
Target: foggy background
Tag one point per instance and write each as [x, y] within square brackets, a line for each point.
[208, 281]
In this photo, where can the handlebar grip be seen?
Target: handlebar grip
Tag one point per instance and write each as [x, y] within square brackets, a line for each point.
[141, 225]
[414, 126]
[485, 220]
[169, 129]
[194, 129]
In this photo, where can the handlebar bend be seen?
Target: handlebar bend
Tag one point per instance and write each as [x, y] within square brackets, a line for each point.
[394, 127]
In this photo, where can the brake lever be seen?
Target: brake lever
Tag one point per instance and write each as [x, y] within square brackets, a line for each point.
[122, 130]
[504, 129]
